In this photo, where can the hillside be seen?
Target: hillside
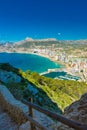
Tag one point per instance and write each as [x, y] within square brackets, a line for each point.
[52, 94]
[50, 43]
[51, 48]
[77, 111]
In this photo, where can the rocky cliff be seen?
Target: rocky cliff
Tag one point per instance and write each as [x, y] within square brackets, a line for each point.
[76, 111]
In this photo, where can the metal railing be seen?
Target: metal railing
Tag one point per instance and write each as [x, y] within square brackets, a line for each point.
[60, 118]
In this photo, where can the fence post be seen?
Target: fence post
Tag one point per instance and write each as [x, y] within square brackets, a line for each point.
[31, 114]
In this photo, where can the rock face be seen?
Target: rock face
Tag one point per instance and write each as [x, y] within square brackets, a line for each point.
[16, 110]
[7, 77]
[6, 123]
[13, 107]
[76, 111]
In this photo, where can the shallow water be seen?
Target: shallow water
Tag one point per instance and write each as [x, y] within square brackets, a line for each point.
[28, 62]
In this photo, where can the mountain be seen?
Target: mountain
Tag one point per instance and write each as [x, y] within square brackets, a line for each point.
[75, 41]
[53, 40]
[30, 43]
[34, 40]
[28, 39]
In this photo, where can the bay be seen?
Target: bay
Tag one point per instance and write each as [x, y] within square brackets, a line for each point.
[28, 62]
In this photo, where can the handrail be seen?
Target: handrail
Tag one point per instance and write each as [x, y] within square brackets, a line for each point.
[35, 123]
[60, 118]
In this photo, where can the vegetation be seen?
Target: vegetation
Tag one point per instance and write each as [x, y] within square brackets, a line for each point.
[53, 93]
[62, 92]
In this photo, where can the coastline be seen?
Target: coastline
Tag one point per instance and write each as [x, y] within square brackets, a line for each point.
[63, 67]
[38, 54]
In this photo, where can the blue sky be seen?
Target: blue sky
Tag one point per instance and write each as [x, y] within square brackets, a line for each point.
[61, 19]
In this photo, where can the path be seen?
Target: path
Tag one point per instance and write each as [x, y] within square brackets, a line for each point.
[6, 123]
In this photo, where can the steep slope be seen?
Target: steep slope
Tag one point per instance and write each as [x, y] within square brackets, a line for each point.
[50, 93]
[76, 111]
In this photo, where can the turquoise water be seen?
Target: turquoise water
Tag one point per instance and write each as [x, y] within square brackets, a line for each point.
[61, 75]
[28, 62]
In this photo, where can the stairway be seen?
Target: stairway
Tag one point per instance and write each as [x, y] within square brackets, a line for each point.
[6, 123]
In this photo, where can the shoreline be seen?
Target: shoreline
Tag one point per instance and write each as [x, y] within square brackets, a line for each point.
[62, 68]
[38, 54]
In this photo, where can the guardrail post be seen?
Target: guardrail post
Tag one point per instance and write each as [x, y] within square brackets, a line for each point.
[31, 114]
[60, 118]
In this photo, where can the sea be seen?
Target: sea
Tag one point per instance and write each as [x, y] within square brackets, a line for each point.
[35, 63]
[28, 62]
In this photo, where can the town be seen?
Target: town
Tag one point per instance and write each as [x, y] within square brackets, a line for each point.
[72, 56]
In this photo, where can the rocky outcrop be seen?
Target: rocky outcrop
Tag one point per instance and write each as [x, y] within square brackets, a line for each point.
[9, 77]
[77, 111]
[16, 111]
[13, 107]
